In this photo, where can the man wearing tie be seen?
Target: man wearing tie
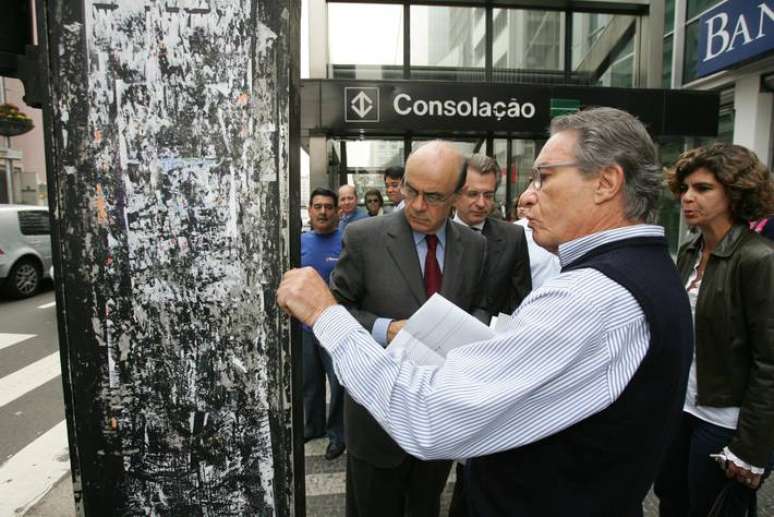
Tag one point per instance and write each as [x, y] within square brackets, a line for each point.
[508, 279]
[389, 266]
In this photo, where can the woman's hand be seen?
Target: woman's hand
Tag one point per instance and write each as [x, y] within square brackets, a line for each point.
[742, 475]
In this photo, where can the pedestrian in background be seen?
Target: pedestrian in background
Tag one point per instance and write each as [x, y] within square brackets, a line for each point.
[393, 180]
[348, 209]
[320, 249]
[728, 271]
[507, 281]
[374, 202]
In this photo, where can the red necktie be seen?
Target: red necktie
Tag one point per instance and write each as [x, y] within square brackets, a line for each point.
[433, 275]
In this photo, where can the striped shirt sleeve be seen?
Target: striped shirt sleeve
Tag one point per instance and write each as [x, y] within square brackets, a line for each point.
[571, 349]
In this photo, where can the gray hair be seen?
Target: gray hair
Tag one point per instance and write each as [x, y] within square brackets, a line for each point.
[483, 164]
[610, 136]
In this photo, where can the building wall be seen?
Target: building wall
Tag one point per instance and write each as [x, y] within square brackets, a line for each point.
[749, 106]
[28, 184]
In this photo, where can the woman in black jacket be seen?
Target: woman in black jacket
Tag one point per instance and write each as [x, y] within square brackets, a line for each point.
[726, 436]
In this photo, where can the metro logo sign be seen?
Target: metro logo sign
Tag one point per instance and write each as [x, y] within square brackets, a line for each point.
[734, 31]
[361, 104]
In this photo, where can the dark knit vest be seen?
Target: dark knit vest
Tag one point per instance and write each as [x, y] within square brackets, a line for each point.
[605, 464]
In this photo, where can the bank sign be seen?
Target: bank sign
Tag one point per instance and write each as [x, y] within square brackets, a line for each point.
[733, 32]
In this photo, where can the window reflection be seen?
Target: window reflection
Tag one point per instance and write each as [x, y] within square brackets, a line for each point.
[620, 73]
[586, 31]
[691, 56]
[523, 153]
[448, 43]
[365, 41]
[526, 43]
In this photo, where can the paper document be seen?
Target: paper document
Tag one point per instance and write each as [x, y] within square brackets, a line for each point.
[436, 328]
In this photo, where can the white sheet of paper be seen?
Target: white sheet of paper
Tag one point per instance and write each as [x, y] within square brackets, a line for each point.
[436, 328]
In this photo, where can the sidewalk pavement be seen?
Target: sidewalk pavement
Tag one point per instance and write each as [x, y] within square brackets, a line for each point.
[325, 497]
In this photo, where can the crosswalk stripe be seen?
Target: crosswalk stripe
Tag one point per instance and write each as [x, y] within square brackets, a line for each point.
[18, 383]
[30, 473]
[7, 340]
[46, 305]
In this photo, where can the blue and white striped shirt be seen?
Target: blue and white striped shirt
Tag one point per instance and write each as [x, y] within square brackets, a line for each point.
[571, 349]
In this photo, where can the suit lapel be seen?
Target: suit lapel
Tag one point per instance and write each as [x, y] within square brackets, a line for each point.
[401, 248]
[452, 262]
[494, 245]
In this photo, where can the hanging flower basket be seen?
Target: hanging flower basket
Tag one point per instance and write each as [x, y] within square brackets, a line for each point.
[13, 122]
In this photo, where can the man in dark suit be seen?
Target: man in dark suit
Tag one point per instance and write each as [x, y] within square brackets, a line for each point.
[388, 268]
[508, 280]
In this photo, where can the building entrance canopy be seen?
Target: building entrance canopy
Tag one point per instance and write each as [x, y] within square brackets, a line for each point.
[397, 107]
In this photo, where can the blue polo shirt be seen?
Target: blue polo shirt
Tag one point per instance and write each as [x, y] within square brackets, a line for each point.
[321, 251]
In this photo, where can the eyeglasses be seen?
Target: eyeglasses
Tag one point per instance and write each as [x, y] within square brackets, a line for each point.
[372, 200]
[431, 198]
[474, 194]
[537, 175]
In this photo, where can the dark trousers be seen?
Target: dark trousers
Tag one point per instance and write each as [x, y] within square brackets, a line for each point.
[412, 489]
[317, 365]
[689, 480]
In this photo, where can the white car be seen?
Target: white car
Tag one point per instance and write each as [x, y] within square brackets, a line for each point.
[25, 249]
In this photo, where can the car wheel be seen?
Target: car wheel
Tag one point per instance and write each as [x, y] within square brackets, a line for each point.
[24, 279]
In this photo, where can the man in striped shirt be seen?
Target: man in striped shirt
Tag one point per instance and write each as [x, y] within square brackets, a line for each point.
[571, 409]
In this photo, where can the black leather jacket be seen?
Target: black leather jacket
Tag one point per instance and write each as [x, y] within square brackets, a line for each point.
[735, 335]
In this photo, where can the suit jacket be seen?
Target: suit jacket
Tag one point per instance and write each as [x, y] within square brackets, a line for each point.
[378, 275]
[508, 279]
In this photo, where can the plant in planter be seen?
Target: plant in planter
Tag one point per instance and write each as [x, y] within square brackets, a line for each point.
[12, 121]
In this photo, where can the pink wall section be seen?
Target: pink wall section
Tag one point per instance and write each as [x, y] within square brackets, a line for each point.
[30, 144]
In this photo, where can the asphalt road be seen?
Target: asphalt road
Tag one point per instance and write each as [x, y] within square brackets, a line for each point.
[33, 440]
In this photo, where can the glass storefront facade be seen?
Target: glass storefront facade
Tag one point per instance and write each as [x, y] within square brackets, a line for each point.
[447, 43]
[466, 42]
[471, 43]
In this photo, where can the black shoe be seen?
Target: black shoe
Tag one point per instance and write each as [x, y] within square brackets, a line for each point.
[334, 450]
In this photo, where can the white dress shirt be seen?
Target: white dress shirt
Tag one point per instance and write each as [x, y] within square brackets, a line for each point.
[542, 263]
[571, 349]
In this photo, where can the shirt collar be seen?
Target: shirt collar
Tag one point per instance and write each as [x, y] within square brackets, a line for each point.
[441, 234]
[571, 250]
[329, 234]
[479, 226]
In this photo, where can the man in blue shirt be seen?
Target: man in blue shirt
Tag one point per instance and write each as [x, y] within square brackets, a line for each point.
[320, 249]
[348, 207]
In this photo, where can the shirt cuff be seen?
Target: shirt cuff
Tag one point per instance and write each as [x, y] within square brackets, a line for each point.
[334, 324]
[379, 332]
[741, 463]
